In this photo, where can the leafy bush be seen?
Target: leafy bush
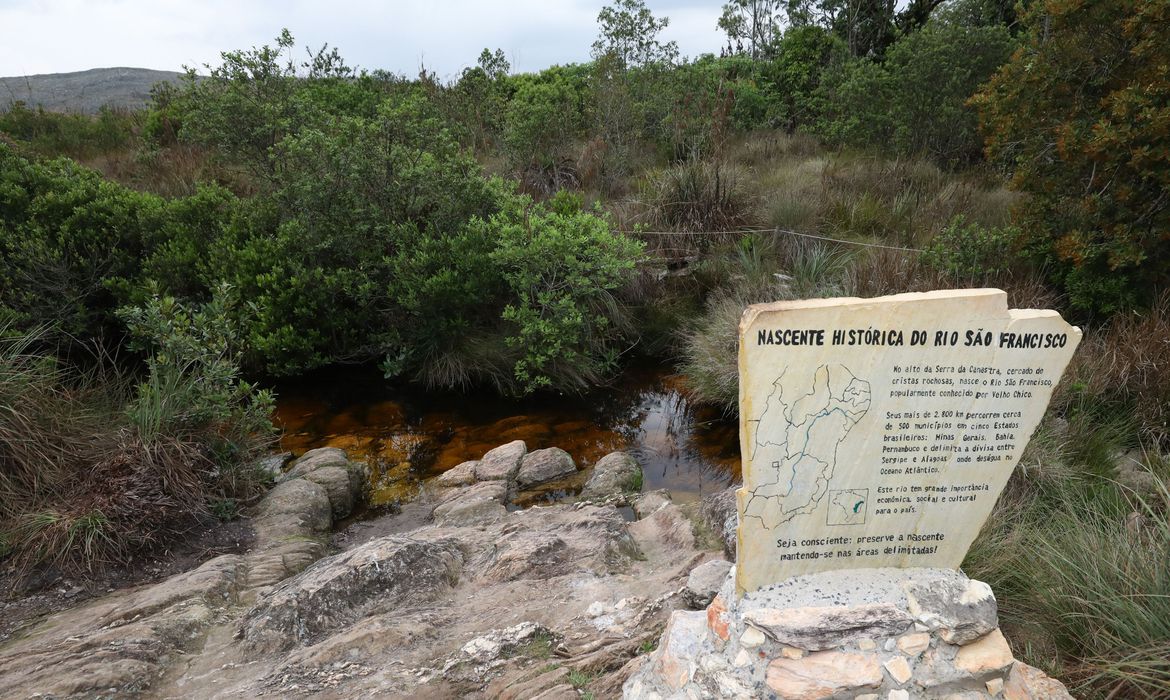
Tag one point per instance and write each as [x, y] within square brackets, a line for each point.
[543, 121]
[965, 252]
[561, 271]
[66, 235]
[77, 136]
[1079, 114]
[916, 101]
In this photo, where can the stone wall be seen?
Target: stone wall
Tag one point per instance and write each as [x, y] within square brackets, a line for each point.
[888, 634]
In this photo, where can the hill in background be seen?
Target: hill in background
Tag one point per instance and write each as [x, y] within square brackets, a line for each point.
[83, 91]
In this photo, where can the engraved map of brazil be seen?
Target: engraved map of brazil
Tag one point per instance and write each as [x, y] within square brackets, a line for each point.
[797, 434]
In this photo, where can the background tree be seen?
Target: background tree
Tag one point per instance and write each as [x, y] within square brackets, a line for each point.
[1082, 115]
[628, 33]
[756, 23]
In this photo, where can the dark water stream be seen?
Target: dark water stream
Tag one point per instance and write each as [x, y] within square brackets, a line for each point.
[407, 435]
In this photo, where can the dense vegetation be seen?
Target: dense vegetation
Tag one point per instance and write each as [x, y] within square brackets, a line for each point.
[527, 231]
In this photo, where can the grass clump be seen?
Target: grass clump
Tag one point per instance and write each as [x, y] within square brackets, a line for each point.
[697, 195]
[95, 467]
[1078, 561]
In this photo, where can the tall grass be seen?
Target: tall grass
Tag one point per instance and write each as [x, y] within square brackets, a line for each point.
[761, 268]
[95, 467]
[1079, 563]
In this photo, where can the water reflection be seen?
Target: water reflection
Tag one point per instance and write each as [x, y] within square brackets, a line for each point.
[408, 435]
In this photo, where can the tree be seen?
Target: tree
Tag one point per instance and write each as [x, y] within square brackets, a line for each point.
[758, 22]
[629, 35]
[1082, 115]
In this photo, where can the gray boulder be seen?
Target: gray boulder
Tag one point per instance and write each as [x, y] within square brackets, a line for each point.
[501, 463]
[339, 487]
[540, 466]
[459, 475]
[472, 505]
[371, 579]
[616, 474]
[315, 459]
[826, 627]
[960, 610]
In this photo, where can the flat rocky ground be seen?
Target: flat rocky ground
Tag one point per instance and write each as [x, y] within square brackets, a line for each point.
[459, 595]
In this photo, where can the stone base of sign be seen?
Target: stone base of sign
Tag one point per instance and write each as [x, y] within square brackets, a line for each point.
[877, 634]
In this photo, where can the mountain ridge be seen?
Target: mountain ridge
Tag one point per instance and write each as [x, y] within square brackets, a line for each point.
[84, 91]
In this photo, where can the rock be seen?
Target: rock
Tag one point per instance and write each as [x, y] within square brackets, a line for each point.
[681, 645]
[751, 638]
[497, 643]
[704, 582]
[914, 644]
[616, 474]
[501, 463]
[994, 686]
[293, 508]
[898, 695]
[315, 459]
[718, 510]
[667, 528]
[961, 611]
[473, 505]
[899, 669]
[648, 504]
[338, 487]
[818, 628]
[1133, 472]
[460, 475]
[717, 621]
[989, 654]
[1028, 683]
[466, 512]
[527, 555]
[370, 579]
[823, 674]
[272, 466]
[540, 466]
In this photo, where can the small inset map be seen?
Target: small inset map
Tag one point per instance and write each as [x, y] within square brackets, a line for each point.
[848, 506]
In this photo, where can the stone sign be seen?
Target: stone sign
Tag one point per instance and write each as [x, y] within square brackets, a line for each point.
[879, 432]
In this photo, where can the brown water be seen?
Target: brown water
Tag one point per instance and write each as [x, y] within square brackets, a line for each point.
[407, 435]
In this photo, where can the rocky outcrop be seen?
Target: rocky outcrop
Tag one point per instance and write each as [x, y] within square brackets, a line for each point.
[121, 644]
[339, 590]
[868, 633]
[616, 474]
[704, 582]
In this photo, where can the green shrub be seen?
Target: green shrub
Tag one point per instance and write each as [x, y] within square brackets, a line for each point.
[971, 253]
[78, 136]
[561, 271]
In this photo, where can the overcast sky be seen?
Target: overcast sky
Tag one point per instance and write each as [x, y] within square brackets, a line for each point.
[55, 36]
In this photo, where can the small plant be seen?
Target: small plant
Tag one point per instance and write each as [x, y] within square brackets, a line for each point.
[647, 646]
[540, 647]
[224, 509]
[698, 195]
[580, 679]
